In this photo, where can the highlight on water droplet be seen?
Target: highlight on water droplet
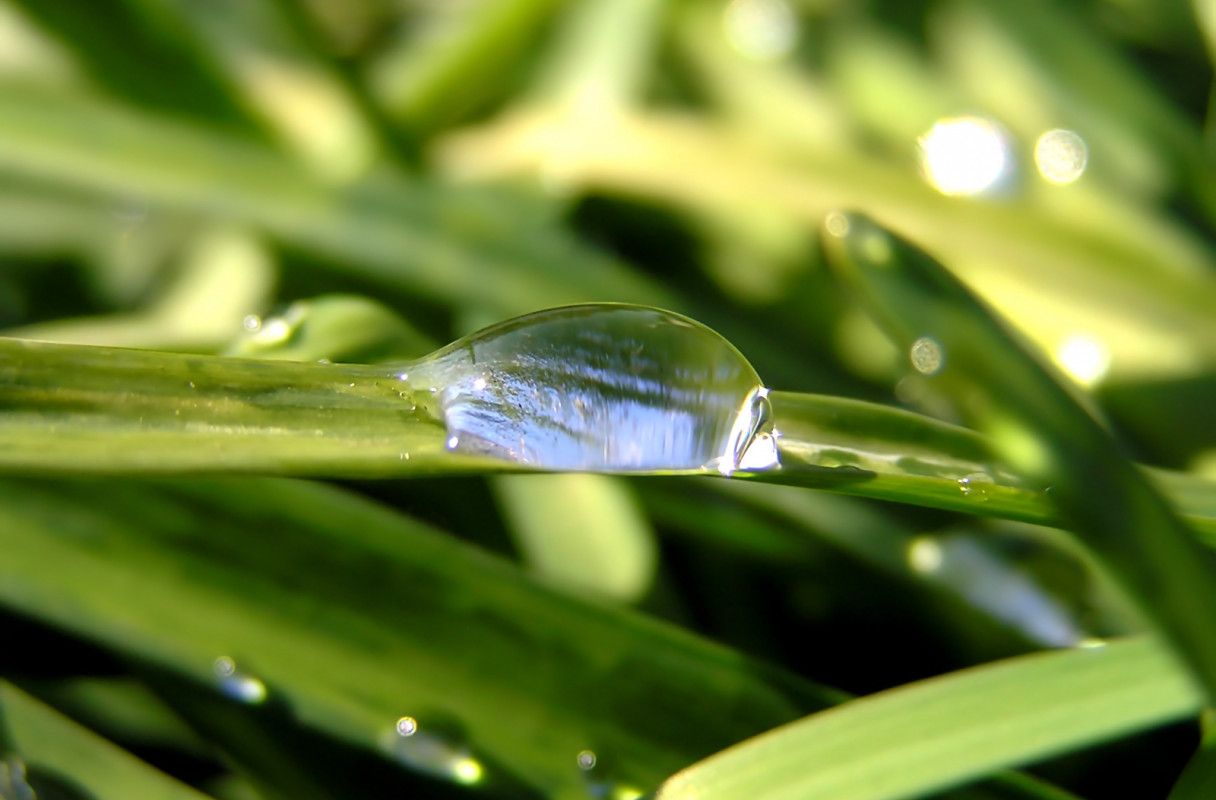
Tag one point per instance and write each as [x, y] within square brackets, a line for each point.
[252, 323]
[927, 356]
[605, 387]
[407, 726]
[762, 30]
[1061, 156]
[964, 155]
[1085, 357]
[586, 759]
[236, 684]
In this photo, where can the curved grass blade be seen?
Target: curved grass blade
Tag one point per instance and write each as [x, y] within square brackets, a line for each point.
[939, 733]
[1039, 427]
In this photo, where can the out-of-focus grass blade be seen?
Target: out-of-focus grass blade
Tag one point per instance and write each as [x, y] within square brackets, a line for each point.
[63, 760]
[454, 60]
[356, 616]
[938, 733]
[1038, 426]
[342, 328]
[1026, 260]
[459, 246]
[585, 533]
[282, 82]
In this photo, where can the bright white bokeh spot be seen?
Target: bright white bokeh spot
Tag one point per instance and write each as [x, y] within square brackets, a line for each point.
[467, 770]
[964, 155]
[1085, 357]
[1061, 156]
[924, 555]
[407, 726]
[764, 30]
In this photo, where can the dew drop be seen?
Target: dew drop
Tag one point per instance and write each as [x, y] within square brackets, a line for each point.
[976, 485]
[434, 749]
[236, 684]
[586, 759]
[252, 323]
[604, 387]
[926, 355]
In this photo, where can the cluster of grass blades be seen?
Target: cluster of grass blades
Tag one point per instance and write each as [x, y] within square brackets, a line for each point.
[725, 489]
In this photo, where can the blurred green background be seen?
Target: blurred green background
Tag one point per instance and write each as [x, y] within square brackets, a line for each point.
[363, 180]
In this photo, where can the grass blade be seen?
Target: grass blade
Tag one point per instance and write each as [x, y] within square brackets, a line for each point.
[1038, 426]
[939, 733]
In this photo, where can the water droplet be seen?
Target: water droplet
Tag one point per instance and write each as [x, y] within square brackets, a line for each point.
[13, 782]
[236, 684]
[434, 749]
[604, 779]
[927, 357]
[190, 384]
[1061, 156]
[964, 155]
[252, 323]
[976, 485]
[601, 387]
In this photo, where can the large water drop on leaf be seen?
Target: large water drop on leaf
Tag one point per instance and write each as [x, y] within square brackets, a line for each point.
[599, 387]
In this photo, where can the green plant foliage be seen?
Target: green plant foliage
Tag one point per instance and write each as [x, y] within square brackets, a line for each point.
[892, 368]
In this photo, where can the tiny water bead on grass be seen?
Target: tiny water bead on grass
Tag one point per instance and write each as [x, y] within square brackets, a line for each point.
[609, 388]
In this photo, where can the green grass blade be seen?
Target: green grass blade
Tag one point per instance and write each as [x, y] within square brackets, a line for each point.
[942, 732]
[53, 747]
[83, 409]
[355, 615]
[76, 409]
[1038, 426]
[458, 246]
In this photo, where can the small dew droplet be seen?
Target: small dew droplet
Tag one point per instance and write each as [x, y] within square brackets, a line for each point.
[407, 726]
[927, 357]
[976, 485]
[236, 684]
[586, 759]
[252, 323]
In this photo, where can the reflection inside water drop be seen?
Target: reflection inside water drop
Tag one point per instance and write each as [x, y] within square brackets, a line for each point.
[600, 387]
